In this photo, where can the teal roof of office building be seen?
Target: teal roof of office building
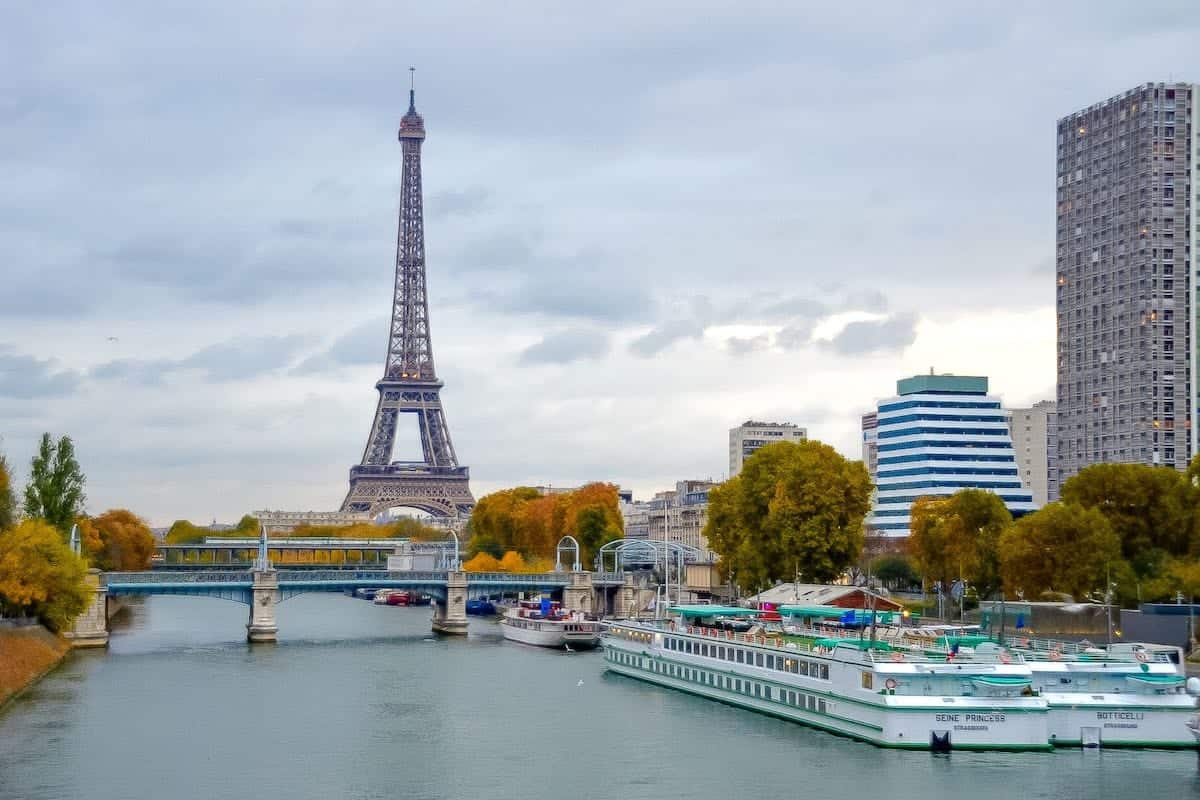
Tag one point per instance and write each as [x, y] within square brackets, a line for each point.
[955, 384]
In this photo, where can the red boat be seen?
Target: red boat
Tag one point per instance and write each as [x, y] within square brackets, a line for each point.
[398, 598]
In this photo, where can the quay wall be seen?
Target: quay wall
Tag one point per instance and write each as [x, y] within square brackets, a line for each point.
[27, 653]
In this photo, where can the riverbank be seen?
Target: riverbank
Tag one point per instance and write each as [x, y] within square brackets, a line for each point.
[26, 654]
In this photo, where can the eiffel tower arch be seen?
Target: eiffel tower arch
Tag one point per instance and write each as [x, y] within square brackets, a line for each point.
[437, 484]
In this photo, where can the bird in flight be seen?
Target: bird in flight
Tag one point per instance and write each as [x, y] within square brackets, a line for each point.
[112, 339]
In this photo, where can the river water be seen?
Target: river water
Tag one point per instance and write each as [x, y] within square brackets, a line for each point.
[360, 701]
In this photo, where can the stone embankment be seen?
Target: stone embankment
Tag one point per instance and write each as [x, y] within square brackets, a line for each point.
[26, 654]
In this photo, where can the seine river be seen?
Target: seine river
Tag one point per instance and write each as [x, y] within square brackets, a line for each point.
[359, 701]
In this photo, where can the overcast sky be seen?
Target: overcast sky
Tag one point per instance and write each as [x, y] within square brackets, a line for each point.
[645, 223]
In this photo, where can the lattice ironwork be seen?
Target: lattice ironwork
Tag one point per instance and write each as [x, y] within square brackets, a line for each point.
[437, 484]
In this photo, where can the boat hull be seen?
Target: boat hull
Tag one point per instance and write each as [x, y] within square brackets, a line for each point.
[885, 719]
[900, 730]
[1075, 723]
[553, 637]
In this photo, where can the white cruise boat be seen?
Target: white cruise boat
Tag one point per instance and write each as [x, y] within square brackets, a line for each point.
[867, 690]
[546, 625]
[1124, 695]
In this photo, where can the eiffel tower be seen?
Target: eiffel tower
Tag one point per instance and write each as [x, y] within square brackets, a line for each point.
[437, 484]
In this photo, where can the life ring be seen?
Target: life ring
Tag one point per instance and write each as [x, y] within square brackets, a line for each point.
[897, 656]
[1140, 655]
[890, 683]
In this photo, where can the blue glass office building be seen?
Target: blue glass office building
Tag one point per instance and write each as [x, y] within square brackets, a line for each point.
[939, 434]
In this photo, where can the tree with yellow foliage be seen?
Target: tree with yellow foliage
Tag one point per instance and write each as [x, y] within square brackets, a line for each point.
[40, 576]
[482, 562]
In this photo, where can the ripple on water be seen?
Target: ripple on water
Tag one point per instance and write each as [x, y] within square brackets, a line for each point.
[355, 702]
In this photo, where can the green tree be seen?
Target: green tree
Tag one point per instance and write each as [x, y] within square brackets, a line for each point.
[896, 572]
[1061, 548]
[40, 576]
[1147, 507]
[55, 490]
[958, 536]
[246, 526]
[928, 541]
[8, 501]
[794, 507]
[593, 530]
[184, 532]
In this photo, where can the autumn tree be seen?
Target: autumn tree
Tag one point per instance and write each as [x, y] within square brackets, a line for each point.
[530, 523]
[8, 501]
[117, 540]
[793, 507]
[40, 576]
[958, 536]
[1061, 548]
[55, 490]
[512, 562]
[482, 562]
[1147, 507]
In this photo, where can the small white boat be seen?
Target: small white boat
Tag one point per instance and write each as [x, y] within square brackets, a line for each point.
[549, 626]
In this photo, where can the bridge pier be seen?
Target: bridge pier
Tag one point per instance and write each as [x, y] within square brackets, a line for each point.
[263, 597]
[577, 594]
[90, 628]
[626, 598]
[450, 617]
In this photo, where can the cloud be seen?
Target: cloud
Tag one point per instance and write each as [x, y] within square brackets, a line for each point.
[889, 335]
[232, 360]
[25, 377]
[794, 337]
[458, 202]
[663, 336]
[741, 346]
[365, 344]
[563, 347]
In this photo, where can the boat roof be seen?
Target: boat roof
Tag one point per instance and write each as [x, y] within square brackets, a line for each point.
[714, 611]
[857, 644]
[833, 612]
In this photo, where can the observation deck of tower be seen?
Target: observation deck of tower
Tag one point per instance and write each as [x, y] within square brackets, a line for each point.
[437, 484]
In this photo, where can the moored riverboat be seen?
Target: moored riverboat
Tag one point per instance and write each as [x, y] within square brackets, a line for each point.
[1123, 695]
[545, 624]
[864, 689]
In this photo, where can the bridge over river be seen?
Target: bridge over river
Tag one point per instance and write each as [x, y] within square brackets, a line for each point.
[264, 588]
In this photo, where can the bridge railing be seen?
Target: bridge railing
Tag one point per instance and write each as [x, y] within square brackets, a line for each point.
[208, 576]
[343, 575]
[517, 577]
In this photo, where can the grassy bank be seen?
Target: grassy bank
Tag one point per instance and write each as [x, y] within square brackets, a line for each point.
[27, 654]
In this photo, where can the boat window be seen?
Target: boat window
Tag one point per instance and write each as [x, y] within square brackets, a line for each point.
[821, 706]
[770, 661]
[803, 667]
[729, 654]
[824, 672]
[758, 659]
[741, 656]
[868, 680]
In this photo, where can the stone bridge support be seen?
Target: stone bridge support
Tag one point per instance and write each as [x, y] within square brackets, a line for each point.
[626, 598]
[577, 594]
[91, 627]
[263, 597]
[450, 617]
